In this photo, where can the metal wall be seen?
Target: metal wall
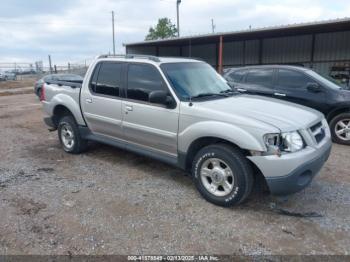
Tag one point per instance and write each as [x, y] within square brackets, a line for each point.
[329, 49]
[332, 46]
[283, 50]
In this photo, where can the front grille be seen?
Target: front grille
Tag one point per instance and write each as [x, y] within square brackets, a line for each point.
[318, 131]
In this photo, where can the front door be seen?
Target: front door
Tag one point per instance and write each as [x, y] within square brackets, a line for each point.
[101, 102]
[291, 85]
[152, 126]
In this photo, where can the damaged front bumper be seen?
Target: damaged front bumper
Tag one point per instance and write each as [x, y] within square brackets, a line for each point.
[293, 172]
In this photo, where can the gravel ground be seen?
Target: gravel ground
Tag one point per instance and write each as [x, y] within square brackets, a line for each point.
[108, 201]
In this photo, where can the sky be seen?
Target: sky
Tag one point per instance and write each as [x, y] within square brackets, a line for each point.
[78, 30]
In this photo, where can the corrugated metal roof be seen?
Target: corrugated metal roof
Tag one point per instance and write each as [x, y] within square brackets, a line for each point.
[255, 30]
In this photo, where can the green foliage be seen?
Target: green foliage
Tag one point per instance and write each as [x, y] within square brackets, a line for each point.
[164, 29]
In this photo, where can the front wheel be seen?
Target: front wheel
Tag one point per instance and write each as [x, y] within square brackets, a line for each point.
[340, 128]
[69, 136]
[222, 175]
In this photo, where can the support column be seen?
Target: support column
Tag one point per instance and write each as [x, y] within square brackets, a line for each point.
[260, 51]
[312, 58]
[220, 67]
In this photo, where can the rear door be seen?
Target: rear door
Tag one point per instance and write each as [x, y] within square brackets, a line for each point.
[101, 103]
[291, 85]
[258, 82]
[151, 126]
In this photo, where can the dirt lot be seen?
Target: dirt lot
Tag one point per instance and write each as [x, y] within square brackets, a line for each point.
[17, 83]
[108, 201]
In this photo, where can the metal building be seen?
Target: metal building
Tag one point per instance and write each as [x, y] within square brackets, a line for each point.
[323, 46]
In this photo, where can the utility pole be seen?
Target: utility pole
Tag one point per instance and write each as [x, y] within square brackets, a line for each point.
[178, 2]
[50, 64]
[213, 26]
[113, 32]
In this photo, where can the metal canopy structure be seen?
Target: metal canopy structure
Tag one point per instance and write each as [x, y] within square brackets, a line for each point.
[309, 44]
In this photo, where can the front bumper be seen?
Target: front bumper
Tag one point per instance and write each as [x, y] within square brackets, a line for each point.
[291, 173]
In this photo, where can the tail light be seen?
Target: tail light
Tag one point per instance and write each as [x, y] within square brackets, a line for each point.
[42, 95]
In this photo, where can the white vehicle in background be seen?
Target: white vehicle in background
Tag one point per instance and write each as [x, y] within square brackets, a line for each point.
[10, 75]
[4, 76]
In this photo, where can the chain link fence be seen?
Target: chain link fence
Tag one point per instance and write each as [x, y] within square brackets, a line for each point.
[18, 71]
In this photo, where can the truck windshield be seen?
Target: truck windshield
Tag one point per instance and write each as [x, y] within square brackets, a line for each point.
[196, 80]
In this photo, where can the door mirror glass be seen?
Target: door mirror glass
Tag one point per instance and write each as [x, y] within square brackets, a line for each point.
[313, 87]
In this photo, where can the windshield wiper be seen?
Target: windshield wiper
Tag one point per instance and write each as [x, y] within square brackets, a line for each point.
[208, 95]
[229, 92]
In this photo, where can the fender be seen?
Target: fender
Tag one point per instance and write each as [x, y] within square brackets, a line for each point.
[68, 102]
[341, 108]
[221, 130]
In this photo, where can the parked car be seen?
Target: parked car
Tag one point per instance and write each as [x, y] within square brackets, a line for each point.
[298, 85]
[182, 112]
[10, 76]
[2, 77]
[55, 77]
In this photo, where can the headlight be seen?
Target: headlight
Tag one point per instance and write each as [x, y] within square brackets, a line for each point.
[285, 142]
[292, 142]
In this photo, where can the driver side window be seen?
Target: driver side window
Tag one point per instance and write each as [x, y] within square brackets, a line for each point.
[292, 79]
[142, 80]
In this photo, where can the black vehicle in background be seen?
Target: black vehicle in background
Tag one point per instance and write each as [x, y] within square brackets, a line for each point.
[55, 77]
[299, 85]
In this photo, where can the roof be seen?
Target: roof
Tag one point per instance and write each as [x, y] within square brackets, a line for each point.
[300, 68]
[313, 27]
[142, 58]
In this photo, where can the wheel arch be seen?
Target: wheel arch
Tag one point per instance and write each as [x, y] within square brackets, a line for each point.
[60, 111]
[336, 111]
[200, 143]
[70, 105]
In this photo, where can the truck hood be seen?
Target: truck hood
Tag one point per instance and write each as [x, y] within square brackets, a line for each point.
[280, 114]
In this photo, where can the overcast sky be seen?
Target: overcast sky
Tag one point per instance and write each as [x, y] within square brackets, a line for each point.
[75, 30]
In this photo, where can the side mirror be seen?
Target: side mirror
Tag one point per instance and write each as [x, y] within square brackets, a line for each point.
[161, 97]
[314, 87]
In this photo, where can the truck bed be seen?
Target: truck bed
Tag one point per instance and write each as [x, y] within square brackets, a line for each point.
[65, 94]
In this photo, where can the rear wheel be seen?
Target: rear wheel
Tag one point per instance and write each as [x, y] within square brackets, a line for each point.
[222, 175]
[39, 92]
[69, 136]
[340, 128]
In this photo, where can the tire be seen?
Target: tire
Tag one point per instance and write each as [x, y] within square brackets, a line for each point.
[219, 164]
[69, 136]
[335, 126]
[38, 93]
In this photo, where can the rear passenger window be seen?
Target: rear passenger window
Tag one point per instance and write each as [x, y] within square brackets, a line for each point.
[237, 76]
[260, 77]
[142, 80]
[292, 79]
[108, 81]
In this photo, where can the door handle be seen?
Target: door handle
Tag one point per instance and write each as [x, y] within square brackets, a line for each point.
[128, 108]
[279, 94]
[88, 100]
[241, 90]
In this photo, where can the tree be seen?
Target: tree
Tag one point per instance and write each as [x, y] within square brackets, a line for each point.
[164, 29]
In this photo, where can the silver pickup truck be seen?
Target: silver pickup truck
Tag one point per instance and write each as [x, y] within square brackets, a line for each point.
[182, 112]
